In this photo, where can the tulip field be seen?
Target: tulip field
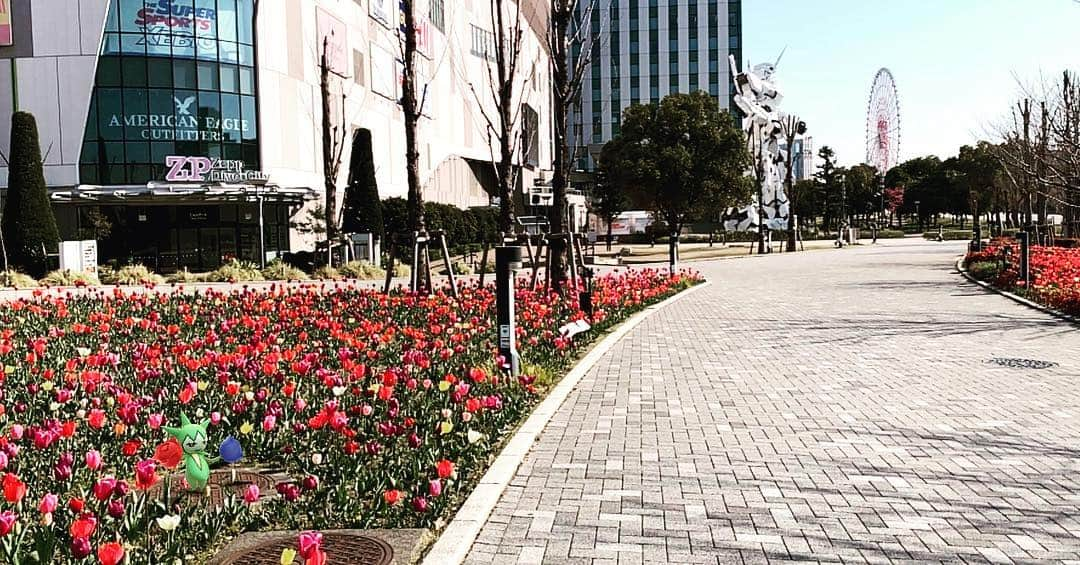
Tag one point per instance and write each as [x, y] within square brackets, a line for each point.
[379, 410]
[1055, 274]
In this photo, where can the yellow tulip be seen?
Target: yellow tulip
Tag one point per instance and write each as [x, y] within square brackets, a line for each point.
[246, 428]
[203, 385]
[446, 427]
[444, 385]
[287, 556]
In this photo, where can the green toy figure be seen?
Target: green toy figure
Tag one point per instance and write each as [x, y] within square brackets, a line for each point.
[192, 440]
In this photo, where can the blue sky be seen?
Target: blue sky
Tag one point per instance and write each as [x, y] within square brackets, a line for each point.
[956, 62]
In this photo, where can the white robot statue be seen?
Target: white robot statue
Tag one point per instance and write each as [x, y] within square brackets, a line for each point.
[758, 97]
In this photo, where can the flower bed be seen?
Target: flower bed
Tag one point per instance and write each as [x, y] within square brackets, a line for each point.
[379, 410]
[1055, 274]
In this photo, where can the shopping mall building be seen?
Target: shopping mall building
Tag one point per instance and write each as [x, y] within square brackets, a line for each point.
[177, 126]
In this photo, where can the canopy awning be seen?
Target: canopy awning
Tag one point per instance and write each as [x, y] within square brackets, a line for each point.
[173, 193]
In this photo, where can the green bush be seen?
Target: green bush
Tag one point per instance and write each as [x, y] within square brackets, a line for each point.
[460, 268]
[362, 270]
[948, 235]
[14, 279]
[278, 270]
[184, 276]
[985, 270]
[29, 227]
[326, 273]
[69, 278]
[236, 271]
[401, 270]
[131, 275]
[890, 234]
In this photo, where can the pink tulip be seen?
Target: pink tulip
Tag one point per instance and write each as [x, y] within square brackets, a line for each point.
[155, 421]
[435, 487]
[93, 459]
[215, 418]
[269, 422]
[48, 503]
[251, 495]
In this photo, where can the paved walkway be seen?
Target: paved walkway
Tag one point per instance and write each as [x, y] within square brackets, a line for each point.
[826, 407]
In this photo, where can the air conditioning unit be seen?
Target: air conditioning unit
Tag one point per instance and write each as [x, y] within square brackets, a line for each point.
[542, 199]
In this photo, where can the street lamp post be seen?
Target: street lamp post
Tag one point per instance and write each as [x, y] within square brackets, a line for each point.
[792, 127]
[918, 216]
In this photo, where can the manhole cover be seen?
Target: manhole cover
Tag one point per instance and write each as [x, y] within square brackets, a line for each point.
[340, 548]
[1022, 363]
[222, 483]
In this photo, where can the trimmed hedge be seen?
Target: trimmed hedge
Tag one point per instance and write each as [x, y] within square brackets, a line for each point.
[28, 221]
[462, 227]
[948, 235]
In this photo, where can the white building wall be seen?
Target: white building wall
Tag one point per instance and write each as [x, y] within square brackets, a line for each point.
[55, 82]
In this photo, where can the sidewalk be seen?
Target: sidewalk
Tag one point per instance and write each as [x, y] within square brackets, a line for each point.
[811, 407]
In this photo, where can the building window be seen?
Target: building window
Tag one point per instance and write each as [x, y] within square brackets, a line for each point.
[483, 43]
[185, 89]
[437, 14]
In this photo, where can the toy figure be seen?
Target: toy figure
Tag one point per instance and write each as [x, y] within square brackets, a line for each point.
[192, 439]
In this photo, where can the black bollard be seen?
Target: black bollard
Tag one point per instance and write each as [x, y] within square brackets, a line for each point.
[1025, 257]
[507, 260]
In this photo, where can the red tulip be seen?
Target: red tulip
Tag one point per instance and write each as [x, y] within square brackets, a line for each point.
[83, 526]
[145, 474]
[110, 553]
[169, 454]
[14, 488]
[444, 468]
[103, 488]
[392, 497]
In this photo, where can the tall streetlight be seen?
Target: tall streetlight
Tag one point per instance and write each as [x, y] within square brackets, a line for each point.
[792, 126]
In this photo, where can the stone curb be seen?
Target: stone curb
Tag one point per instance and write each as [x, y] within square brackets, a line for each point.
[454, 543]
[1015, 298]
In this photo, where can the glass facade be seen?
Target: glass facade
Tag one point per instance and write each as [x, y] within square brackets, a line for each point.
[196, 236]
[175, 77]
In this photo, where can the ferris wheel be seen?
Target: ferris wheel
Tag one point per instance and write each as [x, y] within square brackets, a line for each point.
[883, 123]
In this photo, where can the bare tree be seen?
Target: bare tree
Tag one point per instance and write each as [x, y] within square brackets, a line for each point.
[564, 30]
[1040, 152]
[334, 135]
[502, 76]
[410, 107]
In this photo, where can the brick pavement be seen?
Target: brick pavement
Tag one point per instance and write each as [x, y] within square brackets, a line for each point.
[834, 406]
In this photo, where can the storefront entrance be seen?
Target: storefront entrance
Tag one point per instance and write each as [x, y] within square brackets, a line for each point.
[168, 238]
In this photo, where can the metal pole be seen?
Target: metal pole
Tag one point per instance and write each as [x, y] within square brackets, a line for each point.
[507, 259]
[262, 229]
[1025, 257]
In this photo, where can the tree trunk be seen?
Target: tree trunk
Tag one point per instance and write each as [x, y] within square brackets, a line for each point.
[329, 171]
[562, 94]
[673, 251]
[506, 57]
[411, 112]
[608, 235]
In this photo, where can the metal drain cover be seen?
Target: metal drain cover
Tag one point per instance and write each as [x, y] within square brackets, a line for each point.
[340, 548]
[1022, 363]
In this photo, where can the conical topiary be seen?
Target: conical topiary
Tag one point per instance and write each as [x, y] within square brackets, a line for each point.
[363, 210]
[29, 225]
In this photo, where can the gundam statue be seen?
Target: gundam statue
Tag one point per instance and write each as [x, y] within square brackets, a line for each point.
[758, 97]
